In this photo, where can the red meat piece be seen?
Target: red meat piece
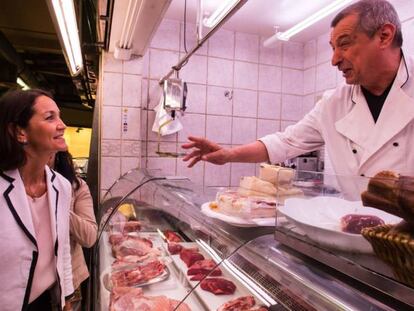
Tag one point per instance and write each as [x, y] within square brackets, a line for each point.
[190, 256]
[218, 286]
[174, 248]
[197, 277]
[354, 223]
[204, 267]
[171, 236]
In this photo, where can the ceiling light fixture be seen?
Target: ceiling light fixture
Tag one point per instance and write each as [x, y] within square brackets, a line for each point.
[220, 13]
[64, 17]
[22, 84]
[286, 35]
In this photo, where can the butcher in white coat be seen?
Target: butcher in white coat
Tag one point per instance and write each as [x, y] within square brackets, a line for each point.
[366, 125]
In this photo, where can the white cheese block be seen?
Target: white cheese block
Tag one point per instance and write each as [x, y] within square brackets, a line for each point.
[253, 186]
[232, 203]
[277, 175]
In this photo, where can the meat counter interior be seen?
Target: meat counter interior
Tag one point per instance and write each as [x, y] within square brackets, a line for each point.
[173, 245]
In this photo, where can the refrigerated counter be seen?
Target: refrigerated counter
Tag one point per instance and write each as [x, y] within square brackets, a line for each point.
[146, 221]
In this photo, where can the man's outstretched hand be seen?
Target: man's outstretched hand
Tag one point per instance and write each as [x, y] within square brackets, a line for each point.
[205, 150]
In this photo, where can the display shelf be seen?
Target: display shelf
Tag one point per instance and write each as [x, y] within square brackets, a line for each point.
[277, 265]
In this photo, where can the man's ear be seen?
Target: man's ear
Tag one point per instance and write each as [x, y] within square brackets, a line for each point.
[386, 35]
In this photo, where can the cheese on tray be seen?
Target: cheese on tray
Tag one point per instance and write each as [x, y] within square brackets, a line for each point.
[277, 175]
[253, 186]
[232, 203]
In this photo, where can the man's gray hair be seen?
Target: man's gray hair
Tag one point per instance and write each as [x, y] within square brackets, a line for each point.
[373, 14]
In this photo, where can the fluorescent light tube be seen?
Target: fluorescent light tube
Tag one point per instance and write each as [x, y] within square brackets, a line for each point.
[218, 14]
[65, 18]
[22, 84]
[286, 35]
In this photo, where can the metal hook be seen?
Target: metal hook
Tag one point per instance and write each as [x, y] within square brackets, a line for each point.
[228, 94]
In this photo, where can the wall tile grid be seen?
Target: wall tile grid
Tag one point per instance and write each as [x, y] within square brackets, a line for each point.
[238, 91]
[121, 117]
[235, 91]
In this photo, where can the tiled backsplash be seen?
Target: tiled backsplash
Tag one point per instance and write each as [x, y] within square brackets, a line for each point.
[235, 91]
[238, 91]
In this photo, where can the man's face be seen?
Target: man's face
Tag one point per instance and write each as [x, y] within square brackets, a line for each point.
[354, 53]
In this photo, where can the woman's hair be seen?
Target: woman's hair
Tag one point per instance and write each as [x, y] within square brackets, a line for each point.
[64, 166]
[16, 109]
[373, 14]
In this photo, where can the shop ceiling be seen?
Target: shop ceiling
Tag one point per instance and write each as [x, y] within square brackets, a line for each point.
[262, 16]
[29, 47]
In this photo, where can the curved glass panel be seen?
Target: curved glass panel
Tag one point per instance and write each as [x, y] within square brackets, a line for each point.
[160, 244]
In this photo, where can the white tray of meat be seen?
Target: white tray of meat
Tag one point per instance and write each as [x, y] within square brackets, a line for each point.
[135, 275]
[164, 291]
[215, 290]
[334, 222]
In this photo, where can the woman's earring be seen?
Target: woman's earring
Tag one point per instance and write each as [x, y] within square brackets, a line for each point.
[24, 142]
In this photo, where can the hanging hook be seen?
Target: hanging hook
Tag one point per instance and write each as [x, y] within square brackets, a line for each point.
[228, 94]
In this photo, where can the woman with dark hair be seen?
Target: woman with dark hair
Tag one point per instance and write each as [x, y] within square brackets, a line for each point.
[83, 227]
[35, 264]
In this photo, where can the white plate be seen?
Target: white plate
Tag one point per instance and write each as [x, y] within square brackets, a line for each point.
[237, 221]
[319, 218]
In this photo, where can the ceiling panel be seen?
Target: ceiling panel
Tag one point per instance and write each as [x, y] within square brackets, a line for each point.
[261, 16]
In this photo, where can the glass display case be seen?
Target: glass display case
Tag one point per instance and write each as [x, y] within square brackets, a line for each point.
[161, 244]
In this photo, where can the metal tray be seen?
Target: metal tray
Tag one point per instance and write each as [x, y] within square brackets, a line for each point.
[106, 278]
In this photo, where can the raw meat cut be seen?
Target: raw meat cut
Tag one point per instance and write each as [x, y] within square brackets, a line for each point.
[136, 275]
[126, 226]
[132, 299]
[197, 277]
[172, 236]
[354, 223]
[132, 246]
[174, 248]
[189, 256]
[245, 303]
[116, 238]
[218, 286]
[204, 267]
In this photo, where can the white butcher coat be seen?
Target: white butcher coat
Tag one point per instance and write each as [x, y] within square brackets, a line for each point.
[18, 250]
[357, 146]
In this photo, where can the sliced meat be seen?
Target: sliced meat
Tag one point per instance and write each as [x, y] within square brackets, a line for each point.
[121, 297]
[174, 248]
[171, 236]
[126, 226]
[132, 246]
[136, 275]
[127, 260]
[354, 223]
[218, 286]
[190, 256]
[244, 303]
[132, 299]
[116, 238]
[204, 267]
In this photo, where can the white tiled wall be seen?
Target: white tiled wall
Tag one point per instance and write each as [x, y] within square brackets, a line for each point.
[122, 96]
[238, 91]
[235, 87]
